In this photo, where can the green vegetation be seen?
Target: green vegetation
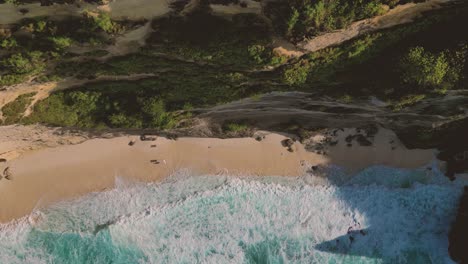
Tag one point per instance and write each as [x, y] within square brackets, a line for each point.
[425, 70]
[297, 73]
[151, 102]
[61, 43]
[408, 100]
[102, 21]
[369, 65]
[241, 42]
[13, 111]
[44, 41]
[8, 43]
[235, 128]
[304, 18]
[19, 66]
[230, 60]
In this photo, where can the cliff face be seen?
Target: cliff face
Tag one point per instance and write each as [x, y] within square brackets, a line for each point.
[458, 237]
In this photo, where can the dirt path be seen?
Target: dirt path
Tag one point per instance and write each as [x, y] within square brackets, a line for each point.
[232, 9]
[10, 14]
[399, 15]
[137, 9]
[130, 41]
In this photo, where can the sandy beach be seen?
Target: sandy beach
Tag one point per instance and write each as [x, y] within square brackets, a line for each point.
[44, 176]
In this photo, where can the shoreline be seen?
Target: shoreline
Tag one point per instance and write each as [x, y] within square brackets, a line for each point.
[46, 176]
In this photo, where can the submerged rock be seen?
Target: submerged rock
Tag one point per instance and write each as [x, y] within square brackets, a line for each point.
[458, 236]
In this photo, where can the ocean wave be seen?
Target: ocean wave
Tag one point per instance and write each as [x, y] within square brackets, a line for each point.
[380, 215]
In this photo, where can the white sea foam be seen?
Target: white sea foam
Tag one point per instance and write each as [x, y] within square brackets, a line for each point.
[393, 216]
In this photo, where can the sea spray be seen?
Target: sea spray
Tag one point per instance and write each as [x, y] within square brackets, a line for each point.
[381, 215]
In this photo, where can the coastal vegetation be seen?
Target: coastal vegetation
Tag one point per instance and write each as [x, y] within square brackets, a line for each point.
[13, 111]
[230, 59]
[36, 44]
[298, 19]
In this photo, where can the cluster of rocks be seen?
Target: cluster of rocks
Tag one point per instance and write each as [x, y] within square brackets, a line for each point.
[288, 143]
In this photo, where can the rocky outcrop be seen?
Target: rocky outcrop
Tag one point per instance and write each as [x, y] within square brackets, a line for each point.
[458, 237]
[430, 124]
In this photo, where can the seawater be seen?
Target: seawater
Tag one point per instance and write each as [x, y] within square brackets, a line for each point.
[381, 215]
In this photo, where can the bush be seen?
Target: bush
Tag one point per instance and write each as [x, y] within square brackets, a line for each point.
[8, 43]
[309, 18]
[156, 110]
[424, 69]
[13, 111]
[30, 62]
[103, 22]
[235, 127]
[297, 73]
[61, 43]
[257, 53]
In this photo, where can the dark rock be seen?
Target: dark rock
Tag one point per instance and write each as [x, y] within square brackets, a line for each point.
[349, 145]
[349, 138]
[24, 11]
[333, 143]
[131, 143]
[290, 149]
[243, 4]
[258, 138]
[458, 236]
[146, 138]
[3, 160]
[370, 130]
[287, 143]
[315, 167]
[363, 141]
[172, 136]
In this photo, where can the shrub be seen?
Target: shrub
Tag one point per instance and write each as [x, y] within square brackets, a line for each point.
[297, 73]
[424, 69]
[8, 43]
[292, 22]
[30, 62]
[235, 127]
[308, 18]
[102, 21]
[156, 110]
[13, 111]
[257, 53]
[61, 43]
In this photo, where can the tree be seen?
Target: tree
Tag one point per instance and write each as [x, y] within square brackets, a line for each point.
[8, 43]
[156, 110]
[424, 69]
[60, 43]
[30, 62]
[297, 73]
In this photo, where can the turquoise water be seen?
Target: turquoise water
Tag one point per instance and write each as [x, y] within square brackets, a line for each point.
[381, 215]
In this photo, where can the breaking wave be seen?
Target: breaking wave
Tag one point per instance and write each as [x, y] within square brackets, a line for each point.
[381, 215]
